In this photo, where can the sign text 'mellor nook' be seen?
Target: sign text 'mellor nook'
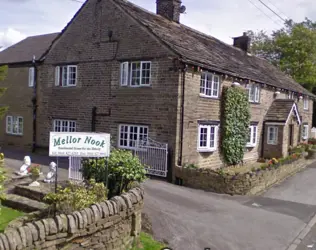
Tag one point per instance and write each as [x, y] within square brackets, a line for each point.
[76, 140]
[79, 144]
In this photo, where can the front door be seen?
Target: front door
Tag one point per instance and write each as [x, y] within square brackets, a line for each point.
[291, 131]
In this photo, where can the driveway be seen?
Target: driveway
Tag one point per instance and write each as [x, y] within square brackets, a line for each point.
[194, 219]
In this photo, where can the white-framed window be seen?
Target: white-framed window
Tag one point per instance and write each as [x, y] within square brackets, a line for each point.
[14, 125]
[131, 135]
[305, 131]
[207, 138]
[254, 93]
[31, 76]
[64, 125]
[272, 135]
[135, 74]
[66, 76]
[290, 95]
[305, 103]
[209, 85]
[253, 134]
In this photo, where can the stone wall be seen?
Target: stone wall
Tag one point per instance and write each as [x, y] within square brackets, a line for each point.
[114, 224]
[244, 184]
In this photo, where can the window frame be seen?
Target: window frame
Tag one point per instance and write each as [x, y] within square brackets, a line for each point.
[31, 77]
[126, 74]
[11, 130]
[204, 83]
[306, 103]
[129, 134]
[276, 134]
[305, 129]
[61, 125]
[208, 147]
[250, 143]
[257, 93]
[59, 76]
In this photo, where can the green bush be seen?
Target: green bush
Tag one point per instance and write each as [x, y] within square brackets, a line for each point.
[236, 121]
[75, 196]
[124, 170]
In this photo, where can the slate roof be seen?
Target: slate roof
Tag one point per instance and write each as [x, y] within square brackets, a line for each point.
[208, 52]
[24, 50]
[279, 110]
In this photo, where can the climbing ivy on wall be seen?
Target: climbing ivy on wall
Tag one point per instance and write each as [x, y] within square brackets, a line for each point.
[235, 122]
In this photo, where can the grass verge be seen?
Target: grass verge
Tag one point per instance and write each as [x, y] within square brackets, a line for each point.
[7, 215]
[148, 243]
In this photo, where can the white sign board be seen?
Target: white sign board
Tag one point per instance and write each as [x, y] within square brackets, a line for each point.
[79, 144]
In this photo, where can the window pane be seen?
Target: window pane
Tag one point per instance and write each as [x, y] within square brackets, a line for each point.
[124, 136]
[9, 124]
[203, 137]
[271, 134]
[143, 134]
[15, 125]
[254, 135]
[133, 136]
[202, 83]
[215, 86]
[252, 93]
[135, 74]
[64, 75]
[249, 139]
[146, 67]
[20, 126]
[208, 85]
[72, 75]
[212, 137]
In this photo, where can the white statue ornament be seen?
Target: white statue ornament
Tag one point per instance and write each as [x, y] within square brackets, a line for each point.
[24, 169]
[50, 177]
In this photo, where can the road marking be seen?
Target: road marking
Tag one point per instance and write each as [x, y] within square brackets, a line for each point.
[256, 205]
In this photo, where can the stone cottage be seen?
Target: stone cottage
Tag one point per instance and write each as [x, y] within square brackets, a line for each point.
[144, 77]
[18, 127]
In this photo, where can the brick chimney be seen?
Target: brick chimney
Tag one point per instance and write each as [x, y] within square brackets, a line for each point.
[242, 42]
[169, 9]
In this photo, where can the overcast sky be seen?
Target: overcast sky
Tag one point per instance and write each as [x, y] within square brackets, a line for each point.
[222, 19]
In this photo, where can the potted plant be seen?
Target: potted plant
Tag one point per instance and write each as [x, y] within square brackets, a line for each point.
[35, 171]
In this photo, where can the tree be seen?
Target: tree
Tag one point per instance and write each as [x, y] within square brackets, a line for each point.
[292, 49]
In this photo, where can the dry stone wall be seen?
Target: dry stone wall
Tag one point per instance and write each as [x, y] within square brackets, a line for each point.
[114, 224]
[243, 184]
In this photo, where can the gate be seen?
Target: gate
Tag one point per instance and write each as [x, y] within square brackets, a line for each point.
[75, 169]
[154, 155]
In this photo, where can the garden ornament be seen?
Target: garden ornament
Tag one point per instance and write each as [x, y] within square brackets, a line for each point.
[50, 177]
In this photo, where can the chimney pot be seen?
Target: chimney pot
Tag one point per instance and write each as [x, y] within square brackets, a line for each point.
[169, 9]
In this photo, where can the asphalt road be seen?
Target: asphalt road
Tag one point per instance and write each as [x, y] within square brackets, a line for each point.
[194, 219]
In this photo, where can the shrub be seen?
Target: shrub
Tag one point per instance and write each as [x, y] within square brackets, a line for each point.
[77, 196]
[123, 170]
